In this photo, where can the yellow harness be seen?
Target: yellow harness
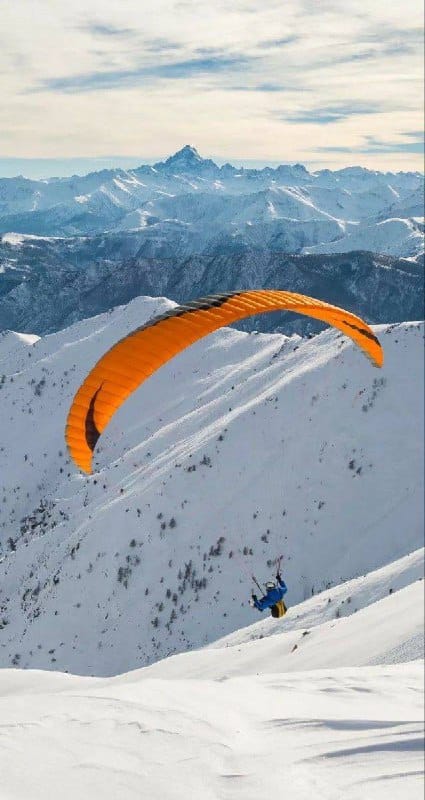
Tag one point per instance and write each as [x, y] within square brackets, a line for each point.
[279, 609]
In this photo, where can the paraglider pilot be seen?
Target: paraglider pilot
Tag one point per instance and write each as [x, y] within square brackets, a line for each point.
[273, 598]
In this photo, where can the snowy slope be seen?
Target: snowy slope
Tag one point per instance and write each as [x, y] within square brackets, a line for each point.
[388, 631]
[351, 733]
[244, 447]
[242, 718]
[392, 236]
[342, 601]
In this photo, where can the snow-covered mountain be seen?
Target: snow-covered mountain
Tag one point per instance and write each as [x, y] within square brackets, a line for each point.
[389, 236]
[244, 447]
[74, 247]
[47, 284]
[287, 208]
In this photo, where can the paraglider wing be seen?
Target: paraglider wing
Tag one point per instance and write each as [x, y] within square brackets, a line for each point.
[133, 359]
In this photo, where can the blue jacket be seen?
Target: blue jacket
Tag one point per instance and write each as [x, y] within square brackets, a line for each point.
[272, 597]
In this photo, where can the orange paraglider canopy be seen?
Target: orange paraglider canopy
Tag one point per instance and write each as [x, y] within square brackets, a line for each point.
[133, 359]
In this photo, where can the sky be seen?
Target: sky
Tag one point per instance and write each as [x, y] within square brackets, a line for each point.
[87, 84]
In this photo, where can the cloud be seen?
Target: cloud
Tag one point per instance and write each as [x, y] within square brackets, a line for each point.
[284, 41]
[407, 147]
[388, 36]
[160, 45]
[245, 79]
[413, 134]
[115, 33]
[393, 147]
[103, 29]
[115, 79]
[270, 87]
[357, 55]
[330, 114]
[376, 146]
[258, 87]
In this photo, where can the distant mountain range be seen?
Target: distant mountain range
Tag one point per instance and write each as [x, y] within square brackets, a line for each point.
[70, 247]
[286, 209]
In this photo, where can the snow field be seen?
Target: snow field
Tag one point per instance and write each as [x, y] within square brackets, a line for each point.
[351, 733]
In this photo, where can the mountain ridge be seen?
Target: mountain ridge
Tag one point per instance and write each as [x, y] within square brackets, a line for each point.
[47, 284]
[240, 449]
[187, 227]
[102, 200]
